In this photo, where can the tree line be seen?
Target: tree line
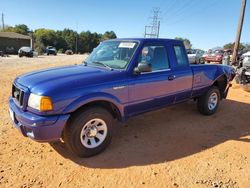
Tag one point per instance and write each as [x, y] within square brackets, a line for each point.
[185, 41]
[242, 46]
[62, 40]
[83, 42]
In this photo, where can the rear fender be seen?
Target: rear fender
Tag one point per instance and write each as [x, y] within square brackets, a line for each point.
[224, 75]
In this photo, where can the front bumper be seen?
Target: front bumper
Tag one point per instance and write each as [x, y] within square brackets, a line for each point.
[39, 128]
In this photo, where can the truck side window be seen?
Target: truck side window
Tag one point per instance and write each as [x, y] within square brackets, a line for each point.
[180, 57]
[156, 55]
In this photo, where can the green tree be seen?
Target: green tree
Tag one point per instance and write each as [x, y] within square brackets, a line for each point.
[69, 36]
[88, 41]
[228, 46]
[231, 46]
[186, 42]
[21, 28]
[63, 39]
[247, 46]
[109, 35]
[45, 37]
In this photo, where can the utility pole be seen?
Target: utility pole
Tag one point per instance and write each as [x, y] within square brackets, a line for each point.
[158, 30]
[153, 30]
[2, 21]
[238, 35]
[76, 50]
[76, 44]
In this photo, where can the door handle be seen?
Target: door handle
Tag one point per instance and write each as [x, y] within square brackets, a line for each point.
[171, 77]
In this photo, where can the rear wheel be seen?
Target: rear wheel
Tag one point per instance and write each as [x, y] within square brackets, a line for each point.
[89, 131]
[209, 102]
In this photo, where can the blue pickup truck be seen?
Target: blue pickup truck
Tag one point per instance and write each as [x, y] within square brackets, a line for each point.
[121, 78]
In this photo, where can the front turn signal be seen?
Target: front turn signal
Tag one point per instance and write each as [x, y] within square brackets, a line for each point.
[46, 104]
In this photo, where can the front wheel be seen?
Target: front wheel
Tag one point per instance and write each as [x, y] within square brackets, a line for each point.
[208, 103]
[89, 131]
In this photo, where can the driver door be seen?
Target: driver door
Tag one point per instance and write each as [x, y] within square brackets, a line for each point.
[151, 90]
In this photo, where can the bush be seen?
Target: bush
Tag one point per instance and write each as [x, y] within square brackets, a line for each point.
[60, 51]
[39, 50]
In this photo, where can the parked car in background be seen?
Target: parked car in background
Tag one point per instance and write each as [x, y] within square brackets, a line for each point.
[195, 56]
[243, 72]
[69, 52]
[227, 57]
[25, 51]
[50, 50]
[228, 51]
[205, 55]
[215, 56]
[120, 79]
[10, 50]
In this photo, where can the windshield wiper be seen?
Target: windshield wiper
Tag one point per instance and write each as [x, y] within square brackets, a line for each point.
[103, 64]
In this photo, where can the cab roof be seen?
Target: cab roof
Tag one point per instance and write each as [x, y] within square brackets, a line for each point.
[149, 39]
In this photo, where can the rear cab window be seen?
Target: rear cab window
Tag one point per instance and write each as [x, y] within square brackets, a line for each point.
[181, 59]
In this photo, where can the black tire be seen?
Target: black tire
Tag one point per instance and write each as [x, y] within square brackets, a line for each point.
[203, 101]
[76, 124]
[20, 55]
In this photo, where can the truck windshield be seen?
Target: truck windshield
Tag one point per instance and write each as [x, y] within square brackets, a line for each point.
[113, 54]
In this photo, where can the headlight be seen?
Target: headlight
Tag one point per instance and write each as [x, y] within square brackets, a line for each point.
[41, 103]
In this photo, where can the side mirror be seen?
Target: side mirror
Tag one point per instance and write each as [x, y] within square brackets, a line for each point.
[143, 67]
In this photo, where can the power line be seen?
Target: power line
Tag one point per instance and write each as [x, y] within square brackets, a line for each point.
[175, 14]
[169, 6]
[180, 7]
[180, 17]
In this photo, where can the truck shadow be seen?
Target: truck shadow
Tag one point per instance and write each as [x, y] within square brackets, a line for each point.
[169, 134]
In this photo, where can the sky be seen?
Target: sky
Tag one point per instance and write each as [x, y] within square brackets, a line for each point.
[206, 23]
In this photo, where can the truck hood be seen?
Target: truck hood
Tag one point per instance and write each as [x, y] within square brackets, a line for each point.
[68, 77]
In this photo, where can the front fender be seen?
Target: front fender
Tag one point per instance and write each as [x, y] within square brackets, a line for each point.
[76, 104]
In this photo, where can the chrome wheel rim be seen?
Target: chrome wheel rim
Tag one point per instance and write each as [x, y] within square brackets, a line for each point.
[93, 133]
[212, 101]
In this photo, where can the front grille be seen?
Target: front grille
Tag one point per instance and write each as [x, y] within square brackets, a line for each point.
[17, 94]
